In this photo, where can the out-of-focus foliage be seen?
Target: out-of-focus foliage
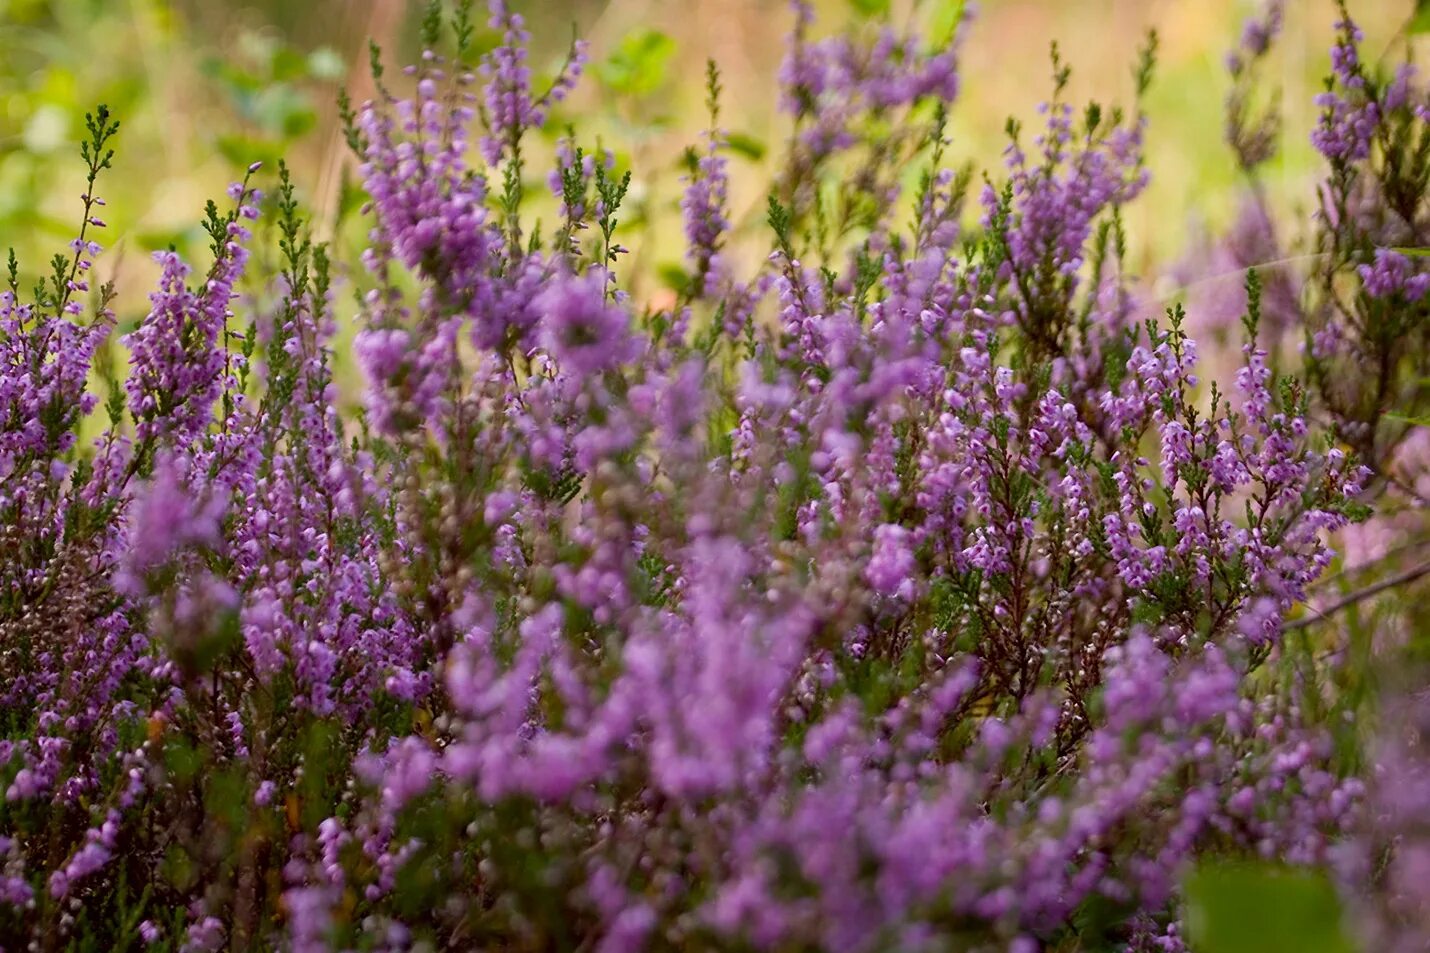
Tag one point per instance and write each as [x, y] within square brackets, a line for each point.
[198, 105]
[207, 87]
[1244, 908]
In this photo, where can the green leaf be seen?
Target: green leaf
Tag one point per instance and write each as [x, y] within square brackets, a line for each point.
[1417, 252]
[674, 277]
[1405, 418]
[1261, 908]
[182, 760]
[639, 65]
[288, 64]
[284, 110]
[1420, 19]
[161, 239]
[746, 145]
[243, 150]
[943, 23]
[351, 197]
[870, 8]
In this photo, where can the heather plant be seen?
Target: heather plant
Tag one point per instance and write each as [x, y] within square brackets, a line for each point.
[1347, 298]
[904, 585]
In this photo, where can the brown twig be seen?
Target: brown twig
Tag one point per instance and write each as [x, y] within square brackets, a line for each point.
[1360, 595]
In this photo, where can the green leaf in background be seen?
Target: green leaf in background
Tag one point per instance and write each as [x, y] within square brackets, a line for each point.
[244, 150]
[351, 196]
[1416, 252]
[151, 240]
[673, 276]
[640, 64]
[745, 145]
[870, 8]
[287, 64]
[1417, 421]
[1262, 908]
[284, 110]
[943, 22]
[1420, 19]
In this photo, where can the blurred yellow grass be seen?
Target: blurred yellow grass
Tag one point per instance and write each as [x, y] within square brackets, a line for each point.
[153, 60]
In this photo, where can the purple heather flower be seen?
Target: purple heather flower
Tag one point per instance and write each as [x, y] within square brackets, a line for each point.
[578, 327]
[1392, 273]
[891, 568]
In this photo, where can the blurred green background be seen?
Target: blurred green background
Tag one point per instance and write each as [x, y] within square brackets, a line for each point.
[204, 88]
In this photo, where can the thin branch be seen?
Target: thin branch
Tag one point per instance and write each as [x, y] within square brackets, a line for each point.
[1360, 595]
[1239, 273]
[1370, 564]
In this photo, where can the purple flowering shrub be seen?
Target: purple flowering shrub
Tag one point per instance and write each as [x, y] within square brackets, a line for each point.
[902, 587]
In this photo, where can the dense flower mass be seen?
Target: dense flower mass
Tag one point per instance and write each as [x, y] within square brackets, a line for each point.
[906, 585]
